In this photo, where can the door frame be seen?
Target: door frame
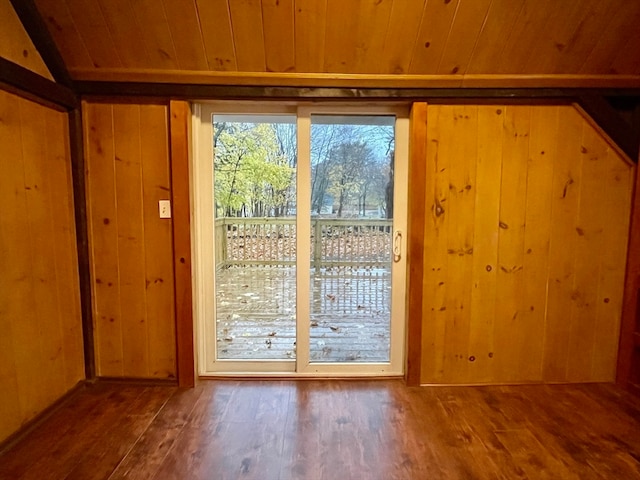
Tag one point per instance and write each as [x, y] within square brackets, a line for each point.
[203, 255]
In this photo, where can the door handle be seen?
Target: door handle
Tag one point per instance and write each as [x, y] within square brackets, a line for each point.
[397, 246]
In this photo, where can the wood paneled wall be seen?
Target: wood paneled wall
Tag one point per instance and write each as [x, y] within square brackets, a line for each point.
[41, 355]
[15, 44]
[127, 158]
[527, 215]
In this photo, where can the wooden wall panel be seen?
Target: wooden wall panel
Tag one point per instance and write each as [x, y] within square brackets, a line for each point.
[15, 44]
[131, 248]
[41, 355]
[526, 226]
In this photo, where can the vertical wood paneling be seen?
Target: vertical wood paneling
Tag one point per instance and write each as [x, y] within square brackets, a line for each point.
[588, 244]
[155, 34]
[432, 37]
[509, 336]
[548, 49]
[41, 355]
[186, 33]
[520, 206]
[526, 36]
[500, 21]
[349, 36]
[248, 35]
[46, 321]
[94, 32]
[461, 207]
[439, 141]
[621, 24]
[64, 237]
[562, 238]
[131, 241]
[215, 22]
[62, 28]
[402, 32]
[542, 157]
[279, 35]
[125, 31]
[340, 35]
[617, 181]
[128, 163]
[467, 23]
[485, 248]
[156, 186]
[103, 234]
[373, 23]
[310, 23]
[15, 44]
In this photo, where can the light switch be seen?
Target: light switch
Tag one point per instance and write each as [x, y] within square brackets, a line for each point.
[165, 208]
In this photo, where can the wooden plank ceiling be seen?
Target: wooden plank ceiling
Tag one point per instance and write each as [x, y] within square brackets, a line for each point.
[447, 39]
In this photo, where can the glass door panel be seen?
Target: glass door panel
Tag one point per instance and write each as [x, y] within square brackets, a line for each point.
[351, 230]
[254, 169]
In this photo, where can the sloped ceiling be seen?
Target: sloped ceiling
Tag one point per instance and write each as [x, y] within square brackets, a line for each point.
[449, 40]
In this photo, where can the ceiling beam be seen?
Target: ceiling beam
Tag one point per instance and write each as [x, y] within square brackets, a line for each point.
[612, 123]
[37, 30]
[21, 81]
[247, 92]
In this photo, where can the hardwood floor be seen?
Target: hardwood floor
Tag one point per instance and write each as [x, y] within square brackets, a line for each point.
[315, 430]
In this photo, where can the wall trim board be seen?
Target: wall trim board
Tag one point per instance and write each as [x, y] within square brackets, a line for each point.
[179, 123]
[631, 300]
[76, 149]
[35, 422]
[152, 382]
[37, 30]
[415, 240]
[27, 84]
[347, 80]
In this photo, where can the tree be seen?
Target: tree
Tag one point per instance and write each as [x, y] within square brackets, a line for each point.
[252, 175]
[348, 161]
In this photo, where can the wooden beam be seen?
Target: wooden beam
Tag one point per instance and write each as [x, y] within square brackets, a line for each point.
[37, 30]
[611, 122]
[82, 238]
[415, 239]
[351, 80]
[179, 123]
[630, 323]
[249, 92]
[27, 84]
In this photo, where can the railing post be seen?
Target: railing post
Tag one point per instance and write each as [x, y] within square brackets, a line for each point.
[223, 241]
[317, 247]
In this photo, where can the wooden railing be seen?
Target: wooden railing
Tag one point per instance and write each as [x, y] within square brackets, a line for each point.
[272, 241]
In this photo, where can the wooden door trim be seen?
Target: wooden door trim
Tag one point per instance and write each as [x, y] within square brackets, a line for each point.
[631, 301]
[179, 124]
[415, 239]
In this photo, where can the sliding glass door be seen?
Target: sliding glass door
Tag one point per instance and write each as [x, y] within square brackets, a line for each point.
[298, 227]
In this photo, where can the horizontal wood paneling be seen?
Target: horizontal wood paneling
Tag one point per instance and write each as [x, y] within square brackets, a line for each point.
[15, 44]
[527, 214]
[127, 159]
[41, 354]
[356, 36]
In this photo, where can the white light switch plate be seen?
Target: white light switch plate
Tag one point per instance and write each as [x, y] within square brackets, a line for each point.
[165, 208]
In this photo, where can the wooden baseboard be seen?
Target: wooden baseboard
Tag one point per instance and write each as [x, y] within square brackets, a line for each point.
[36, 421]
[162, 382]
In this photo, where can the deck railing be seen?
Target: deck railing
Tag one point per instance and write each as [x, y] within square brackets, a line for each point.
[272, 241]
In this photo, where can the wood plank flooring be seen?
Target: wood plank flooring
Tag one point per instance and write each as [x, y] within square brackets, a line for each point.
[272, 430]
